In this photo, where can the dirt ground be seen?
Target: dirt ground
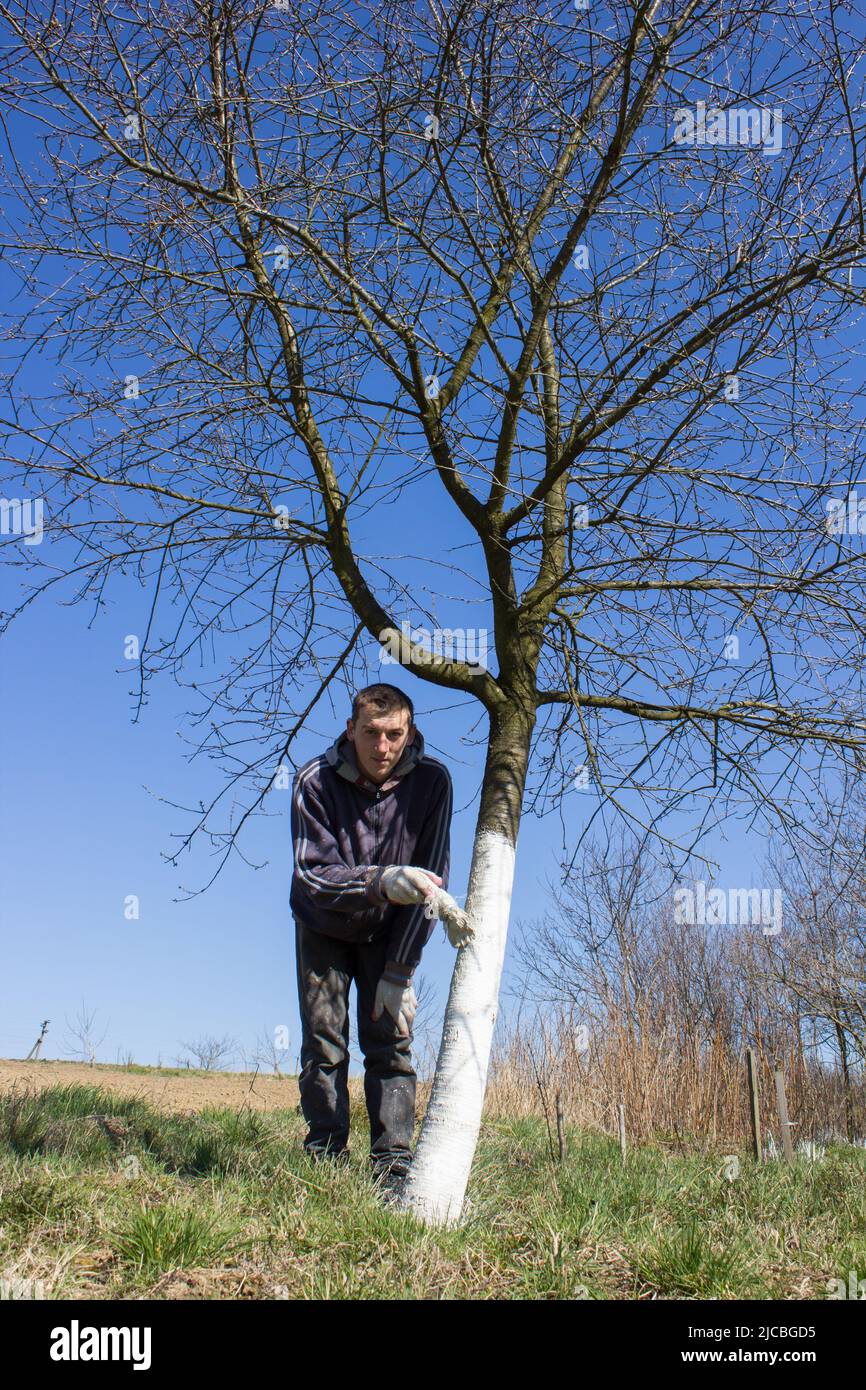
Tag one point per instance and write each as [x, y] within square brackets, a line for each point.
[173, 1093]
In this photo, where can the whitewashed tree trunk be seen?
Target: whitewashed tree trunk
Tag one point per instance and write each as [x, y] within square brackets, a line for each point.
[436, 1186]
[443, 1158]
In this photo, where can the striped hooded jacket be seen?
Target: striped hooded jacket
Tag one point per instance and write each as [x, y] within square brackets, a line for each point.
[346, 830]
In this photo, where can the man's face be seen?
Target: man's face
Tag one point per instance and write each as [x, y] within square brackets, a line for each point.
[379, 741]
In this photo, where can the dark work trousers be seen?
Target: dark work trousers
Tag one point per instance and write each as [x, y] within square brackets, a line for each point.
[326, 968]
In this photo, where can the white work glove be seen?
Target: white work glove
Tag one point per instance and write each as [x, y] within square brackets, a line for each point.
[399, 1000]
[401, 883]
[457, 924]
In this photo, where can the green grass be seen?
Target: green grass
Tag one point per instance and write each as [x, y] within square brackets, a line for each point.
[156, 1239]
[102, 1196]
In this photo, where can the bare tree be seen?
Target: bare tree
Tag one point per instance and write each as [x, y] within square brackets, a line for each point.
[272, 1048]
[212, 1054]
[613, 952]
[82, 1032]
[632, 1001]
[820, 959]
[589, 276]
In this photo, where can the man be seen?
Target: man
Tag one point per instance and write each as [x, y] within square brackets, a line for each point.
[371, 830]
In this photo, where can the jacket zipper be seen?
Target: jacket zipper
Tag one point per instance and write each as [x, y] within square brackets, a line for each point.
[376, 834]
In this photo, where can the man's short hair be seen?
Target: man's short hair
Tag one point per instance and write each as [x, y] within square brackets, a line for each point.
[384, 699]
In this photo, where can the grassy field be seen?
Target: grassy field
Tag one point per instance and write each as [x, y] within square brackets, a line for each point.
[105, 1196]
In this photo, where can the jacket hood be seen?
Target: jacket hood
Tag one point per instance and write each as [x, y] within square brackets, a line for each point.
[341, 756]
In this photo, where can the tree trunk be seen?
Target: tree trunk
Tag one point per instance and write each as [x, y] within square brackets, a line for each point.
[846, 1081]
[443, 1158]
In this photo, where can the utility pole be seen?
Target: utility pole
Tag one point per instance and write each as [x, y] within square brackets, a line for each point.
[33, 1054]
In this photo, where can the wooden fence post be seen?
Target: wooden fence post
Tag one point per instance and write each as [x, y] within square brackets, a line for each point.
[754, 1106]
[560, 1126]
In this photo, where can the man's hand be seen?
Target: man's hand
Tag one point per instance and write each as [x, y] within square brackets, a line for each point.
[404, 884]
[399, 1000]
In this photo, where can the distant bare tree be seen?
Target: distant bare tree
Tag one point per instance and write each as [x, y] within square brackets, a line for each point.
[820, 958]
[212, 1053]
[631, 1001]
[271, 1049]
[82, 1032]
